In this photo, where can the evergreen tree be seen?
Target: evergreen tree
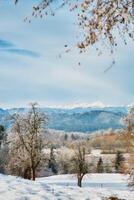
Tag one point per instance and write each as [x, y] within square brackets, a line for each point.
[2, 135]
[3, 149]
[52, 162]
[118, 161]
[66, 137]
[100, 167]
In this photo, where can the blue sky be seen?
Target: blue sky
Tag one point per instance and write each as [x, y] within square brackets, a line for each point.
[31, 70]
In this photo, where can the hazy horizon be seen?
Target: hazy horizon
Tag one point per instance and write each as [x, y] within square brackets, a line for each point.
[96, 104]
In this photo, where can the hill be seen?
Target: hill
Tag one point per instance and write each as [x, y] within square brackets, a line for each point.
[55, 187]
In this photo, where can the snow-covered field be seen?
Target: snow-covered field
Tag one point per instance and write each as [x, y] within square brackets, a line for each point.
[59, 188]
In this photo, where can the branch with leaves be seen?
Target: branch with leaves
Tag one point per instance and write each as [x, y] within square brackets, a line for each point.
[99, 20]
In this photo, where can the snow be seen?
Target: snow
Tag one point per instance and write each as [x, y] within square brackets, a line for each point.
[97, 104]
[13, 188]
[96, 152]
[96, 178]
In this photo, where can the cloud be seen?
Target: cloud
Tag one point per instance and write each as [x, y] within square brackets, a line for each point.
[23, 52]
[6, 44]
[10, 47]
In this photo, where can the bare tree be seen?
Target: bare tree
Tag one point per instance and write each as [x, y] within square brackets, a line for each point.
[80, 165]
[29, 128]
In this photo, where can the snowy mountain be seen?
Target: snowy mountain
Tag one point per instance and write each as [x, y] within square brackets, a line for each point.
[79, 119]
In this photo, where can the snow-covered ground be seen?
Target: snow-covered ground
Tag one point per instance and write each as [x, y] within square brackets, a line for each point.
[58, 188]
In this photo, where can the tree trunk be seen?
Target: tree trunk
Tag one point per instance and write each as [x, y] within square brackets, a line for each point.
[33, 174]
[27, 174]
[79, 181]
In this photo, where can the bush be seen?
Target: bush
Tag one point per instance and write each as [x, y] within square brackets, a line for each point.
[114, 198]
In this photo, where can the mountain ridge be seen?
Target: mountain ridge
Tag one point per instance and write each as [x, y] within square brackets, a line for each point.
[78, 119]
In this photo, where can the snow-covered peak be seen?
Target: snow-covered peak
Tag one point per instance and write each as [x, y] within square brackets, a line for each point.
[97, 104]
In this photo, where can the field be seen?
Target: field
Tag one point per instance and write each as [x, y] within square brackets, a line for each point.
[63, 187]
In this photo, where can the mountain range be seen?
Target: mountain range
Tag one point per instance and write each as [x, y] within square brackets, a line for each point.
[76, 119]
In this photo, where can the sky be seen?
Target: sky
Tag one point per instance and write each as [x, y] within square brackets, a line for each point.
[32, 71]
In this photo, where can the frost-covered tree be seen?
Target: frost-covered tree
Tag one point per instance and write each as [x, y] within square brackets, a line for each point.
[18, 163]
[129, 128]
[28, 129]
[64, 158]
[129, 138]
